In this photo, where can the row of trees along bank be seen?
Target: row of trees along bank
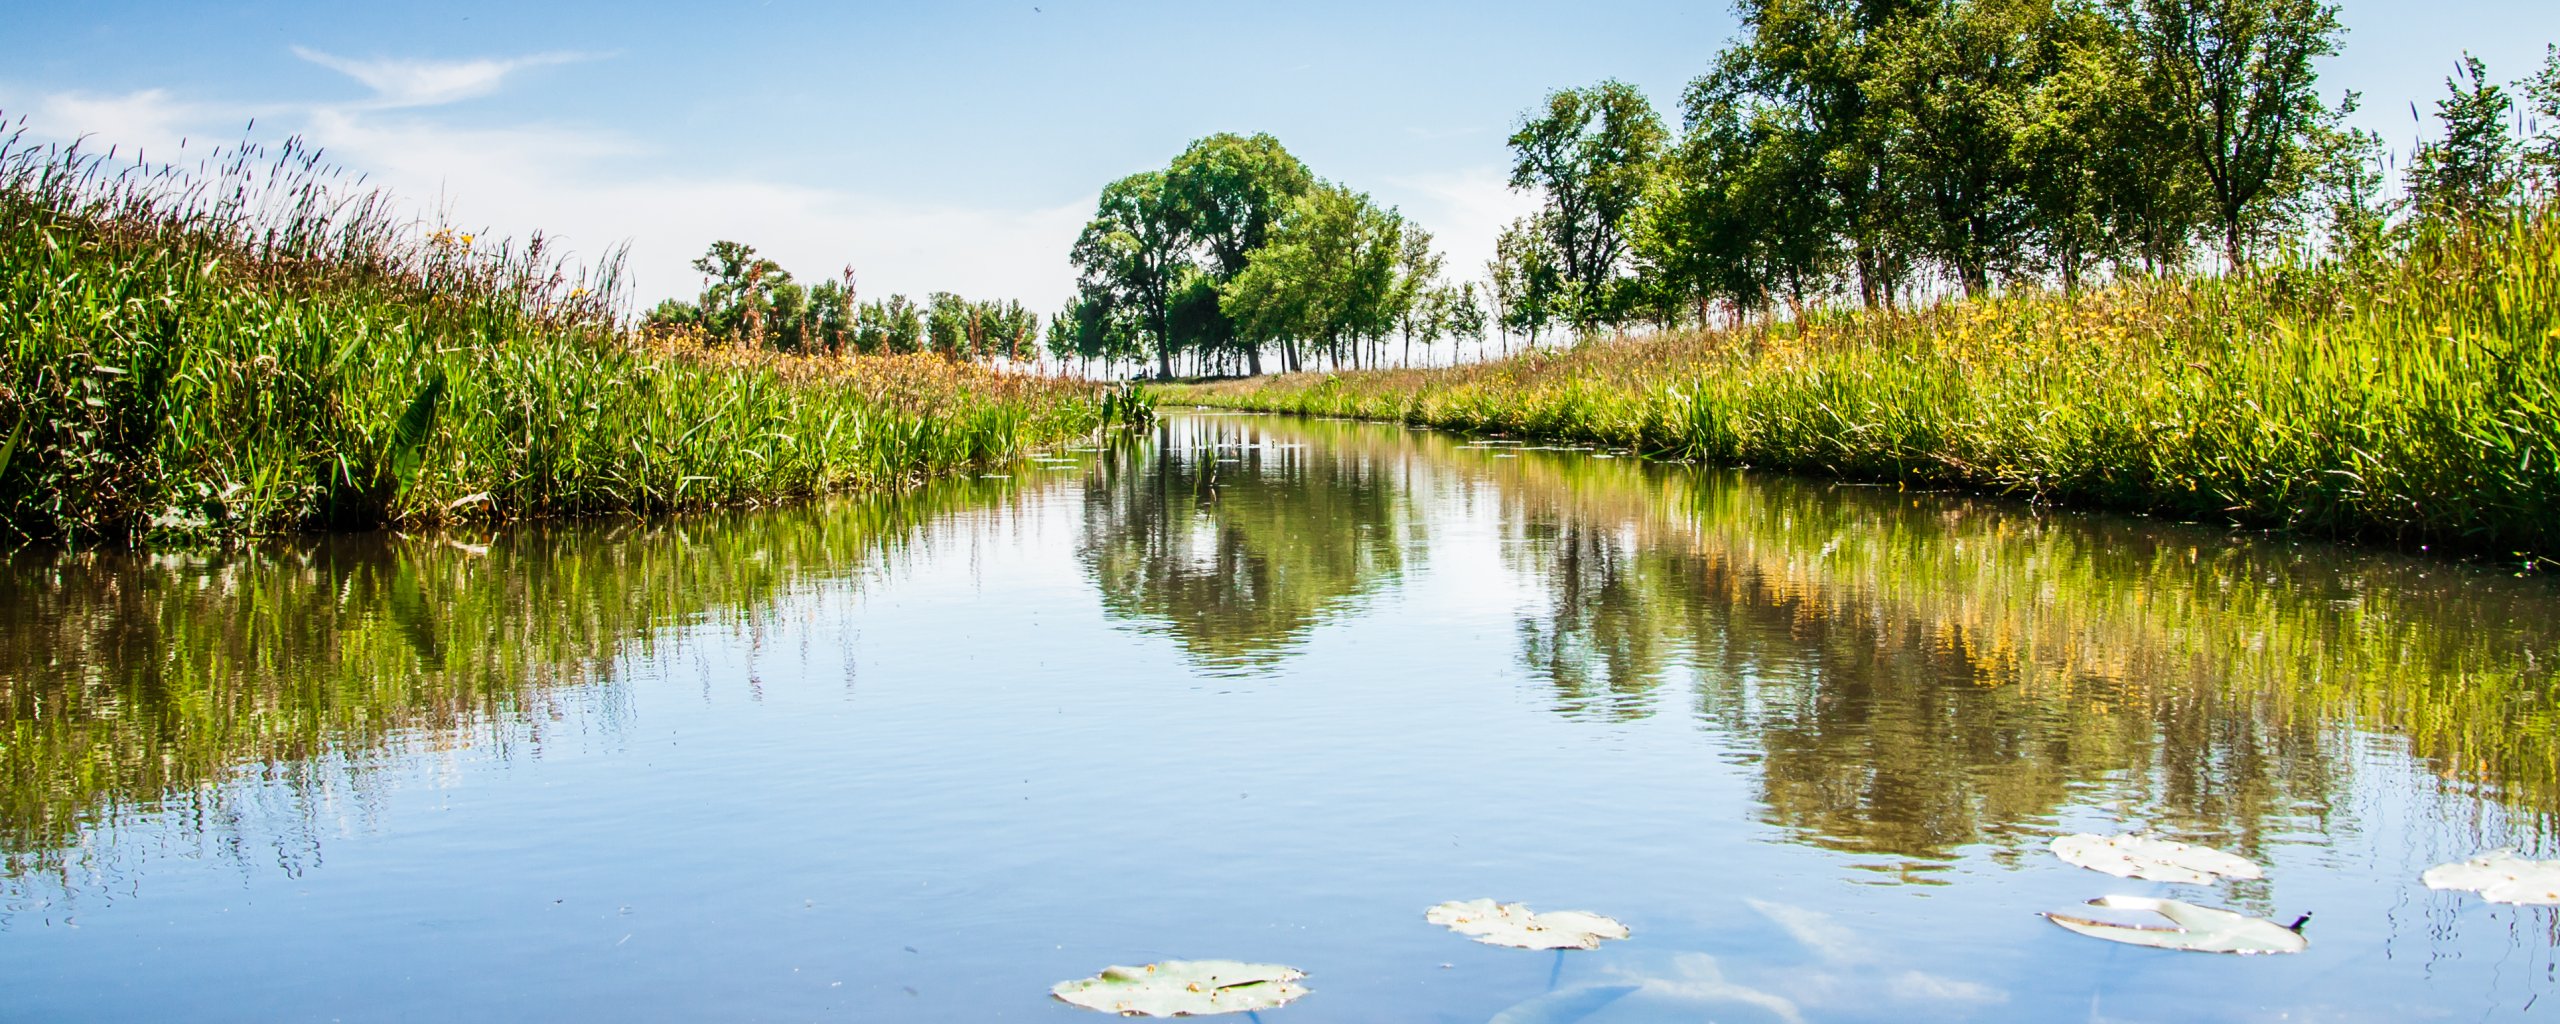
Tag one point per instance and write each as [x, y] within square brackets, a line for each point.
[748, 299]
[1236, 248]
[1879, 151]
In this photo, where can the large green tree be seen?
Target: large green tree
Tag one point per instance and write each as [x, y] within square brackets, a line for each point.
[1743, 210]
[1327, 277]
[1956, 83]
[2239, 77]
[1227, 191]
[1132, 255]
[1588, 153]
[1818, 59]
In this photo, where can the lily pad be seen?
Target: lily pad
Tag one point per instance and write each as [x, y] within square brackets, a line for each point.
[2500, 877]
[1184, 988]
[2147, 856]
[2170, 924]
[1511, 924]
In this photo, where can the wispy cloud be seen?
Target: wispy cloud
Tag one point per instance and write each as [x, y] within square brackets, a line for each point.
[152, 119]
[1468, 209]
[590, 189]
[408, 82]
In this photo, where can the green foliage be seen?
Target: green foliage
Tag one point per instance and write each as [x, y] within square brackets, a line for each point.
[1132, 255]
[2471, 170]
[1228, 191]
[2237, 77]
[1328, 277]
[1234, 249]
[1590, 154]
[260, 352]
[408, 442]
[1855, 147]
[2411, 400]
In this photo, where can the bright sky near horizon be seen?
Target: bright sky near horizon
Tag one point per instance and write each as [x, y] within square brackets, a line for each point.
[953, 147]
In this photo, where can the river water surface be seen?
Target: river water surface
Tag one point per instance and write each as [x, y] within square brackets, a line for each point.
[1264, 689]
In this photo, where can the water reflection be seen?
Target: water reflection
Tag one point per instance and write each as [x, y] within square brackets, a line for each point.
[1701, 699]
[1235, 536]
[132, 684]
[1918, 673]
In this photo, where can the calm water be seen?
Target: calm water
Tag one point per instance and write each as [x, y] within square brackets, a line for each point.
[1263, 689]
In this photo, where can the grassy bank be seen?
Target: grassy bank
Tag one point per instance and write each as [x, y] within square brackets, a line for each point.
[248, 347]
[2416, 402]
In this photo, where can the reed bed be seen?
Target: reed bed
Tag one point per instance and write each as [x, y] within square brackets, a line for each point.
[2414, 401]
[257, 343]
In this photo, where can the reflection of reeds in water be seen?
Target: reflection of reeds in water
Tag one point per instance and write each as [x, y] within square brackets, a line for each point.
[130, 683]
[1920, 672]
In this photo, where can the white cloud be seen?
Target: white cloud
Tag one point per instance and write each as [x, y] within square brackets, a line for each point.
[151, 120]
[577, 186]
[400, 82]
[592, 190]
[1465, 211]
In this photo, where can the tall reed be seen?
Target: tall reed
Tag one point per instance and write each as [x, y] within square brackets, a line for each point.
[258, 343]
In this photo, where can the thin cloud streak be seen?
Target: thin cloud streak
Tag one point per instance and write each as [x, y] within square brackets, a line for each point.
[403, 82]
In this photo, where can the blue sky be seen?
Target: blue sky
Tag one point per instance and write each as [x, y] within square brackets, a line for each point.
[951, 146]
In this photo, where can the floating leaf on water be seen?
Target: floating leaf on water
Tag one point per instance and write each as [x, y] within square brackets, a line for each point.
[1184, 988]
[2146, 856]
[2170, 924]
[2500, 877]
[1511, 924]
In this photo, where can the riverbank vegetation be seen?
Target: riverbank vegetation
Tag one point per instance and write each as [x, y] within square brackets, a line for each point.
[1889, 155]
[2411, 401]
[2001, 293]
[251, 346]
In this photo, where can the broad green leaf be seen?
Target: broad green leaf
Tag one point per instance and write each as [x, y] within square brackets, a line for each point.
[2170, 924]
[9, 448]
[410, 434]
[1184, 988]
[1511, 924]
[2146, 856]
[2500, 877]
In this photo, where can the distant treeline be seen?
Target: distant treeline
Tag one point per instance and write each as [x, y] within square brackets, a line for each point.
[1236, 248]
[751, 300]
[1881, 150]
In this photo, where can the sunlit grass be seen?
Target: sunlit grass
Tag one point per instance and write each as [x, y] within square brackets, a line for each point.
[228, 349]
[2416, 402]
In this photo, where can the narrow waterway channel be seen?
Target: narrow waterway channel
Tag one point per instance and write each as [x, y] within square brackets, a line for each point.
[1264, 689]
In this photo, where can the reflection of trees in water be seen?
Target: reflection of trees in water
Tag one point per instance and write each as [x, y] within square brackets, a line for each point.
[1616, 617]
[1235, 540]
[1916, 676]
[133, 683]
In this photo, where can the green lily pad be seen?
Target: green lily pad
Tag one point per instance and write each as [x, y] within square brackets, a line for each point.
[1184, 988]
[1511, 924]
[2170, 924]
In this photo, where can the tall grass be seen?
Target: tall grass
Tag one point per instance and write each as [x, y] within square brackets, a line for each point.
[2415, 401]
[257, 344]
